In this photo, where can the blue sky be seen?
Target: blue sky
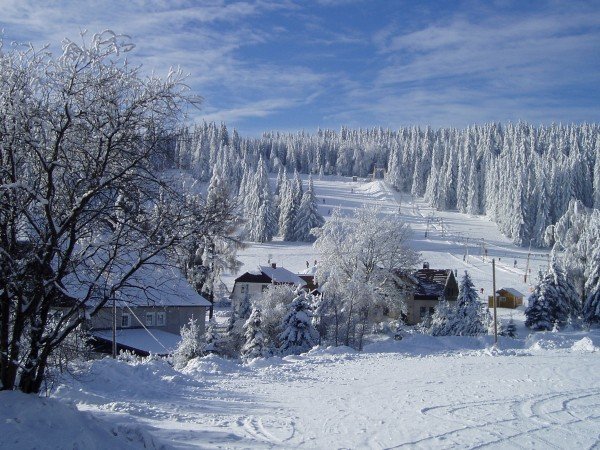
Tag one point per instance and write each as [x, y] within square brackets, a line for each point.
[292, 65]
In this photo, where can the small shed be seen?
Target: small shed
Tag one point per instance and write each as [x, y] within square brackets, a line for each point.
[506, 298]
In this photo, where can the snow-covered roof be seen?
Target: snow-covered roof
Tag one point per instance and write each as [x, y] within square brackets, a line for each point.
[281, 275]
[159, 342]
[511, 291]
[157, 283]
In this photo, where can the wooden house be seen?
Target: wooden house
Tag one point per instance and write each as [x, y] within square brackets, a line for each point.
[431, 287]
[506, 298]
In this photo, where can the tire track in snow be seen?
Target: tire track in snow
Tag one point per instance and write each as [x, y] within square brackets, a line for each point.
[552, 411]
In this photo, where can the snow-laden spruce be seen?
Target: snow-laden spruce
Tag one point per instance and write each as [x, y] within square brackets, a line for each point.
[254, 346]
[299, 334]
[591, 307]
[213, 341]
[308, 216]
[469, 312]
[553, 301]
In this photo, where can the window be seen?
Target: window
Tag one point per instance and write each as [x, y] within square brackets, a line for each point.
[422, 311]
[125, 320]
[242, 289]
[149, 319]
[161, 319]
[431, 311]
[264, 287]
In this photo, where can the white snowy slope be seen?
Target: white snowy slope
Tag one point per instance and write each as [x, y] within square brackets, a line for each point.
[421, 392]
[454, 241]
[541, 390]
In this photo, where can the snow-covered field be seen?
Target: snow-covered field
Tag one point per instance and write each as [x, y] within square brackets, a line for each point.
[541, 390]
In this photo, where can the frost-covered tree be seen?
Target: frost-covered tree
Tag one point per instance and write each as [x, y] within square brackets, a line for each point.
[361, 257]
[212, 338]
[554, 300]
[298, 335]
[308, 216]
[83, 138]
[510, 330]
[288, 212]
[468, 313]
[261, 222]
[254, 346]
[190, 346]
[273, 303]
[591, 307]
[442, 320]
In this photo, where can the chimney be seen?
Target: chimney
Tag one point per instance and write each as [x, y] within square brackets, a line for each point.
[274, 265]
[425, 265]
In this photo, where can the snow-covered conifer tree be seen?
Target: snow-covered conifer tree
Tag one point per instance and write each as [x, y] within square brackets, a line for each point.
[553, 300]
[468, 311]
[212, 338]
[299, 334]
[591, 307]
[191, 344]
[254, 346]
[442, 320]
[308, 216]
[511, 329]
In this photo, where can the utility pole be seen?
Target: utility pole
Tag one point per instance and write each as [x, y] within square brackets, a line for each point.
[527, 267]
[494, 294]
[114, 328]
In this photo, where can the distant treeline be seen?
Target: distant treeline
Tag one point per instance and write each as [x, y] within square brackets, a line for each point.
[520, 176]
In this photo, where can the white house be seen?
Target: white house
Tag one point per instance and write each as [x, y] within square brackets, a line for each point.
[252, 284]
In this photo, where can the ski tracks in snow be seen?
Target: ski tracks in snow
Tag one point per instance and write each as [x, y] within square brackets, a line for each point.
[516, 423]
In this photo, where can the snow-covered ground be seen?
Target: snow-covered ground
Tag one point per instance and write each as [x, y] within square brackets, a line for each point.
[421, 392]
[541, 390]
[454, 241]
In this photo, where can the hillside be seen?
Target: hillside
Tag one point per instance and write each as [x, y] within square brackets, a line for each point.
[449, 236]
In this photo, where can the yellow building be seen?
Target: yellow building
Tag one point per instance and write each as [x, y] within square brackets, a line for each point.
[506, 298]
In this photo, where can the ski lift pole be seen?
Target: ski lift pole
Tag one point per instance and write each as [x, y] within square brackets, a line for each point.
[495, 306]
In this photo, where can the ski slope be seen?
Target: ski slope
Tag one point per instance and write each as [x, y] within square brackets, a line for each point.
[454, 241]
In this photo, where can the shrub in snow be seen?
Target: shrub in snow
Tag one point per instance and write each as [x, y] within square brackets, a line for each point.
[510, 330]
[254, 347]
[191, 344]
[553, 301]
[442, 320]
[212, 338]
[469, 313]
[298, 333]
[273, 304]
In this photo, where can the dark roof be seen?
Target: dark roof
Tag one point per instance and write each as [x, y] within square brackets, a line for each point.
[434, 275]
[432, 283]
[253, 278]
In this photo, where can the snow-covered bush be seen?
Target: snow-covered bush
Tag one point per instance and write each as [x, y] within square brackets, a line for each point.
[273, 304]
[298, 333]
[553, 301]
[254, 347]
[212, 338]
[510, 330]
[191, 344]
[442, 320]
